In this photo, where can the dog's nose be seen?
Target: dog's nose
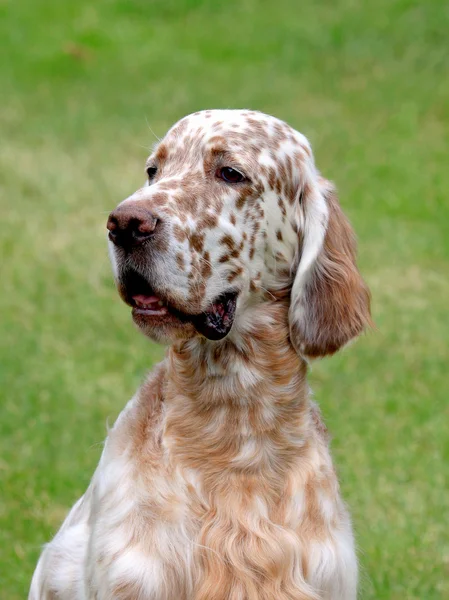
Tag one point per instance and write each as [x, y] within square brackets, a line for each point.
[130, 225]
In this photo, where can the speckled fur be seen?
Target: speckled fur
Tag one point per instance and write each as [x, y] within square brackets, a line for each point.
[216, 481]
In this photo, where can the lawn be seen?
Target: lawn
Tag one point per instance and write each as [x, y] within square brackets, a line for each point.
[86, 87]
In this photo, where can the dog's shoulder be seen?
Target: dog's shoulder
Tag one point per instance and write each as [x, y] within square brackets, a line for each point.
[143, 413]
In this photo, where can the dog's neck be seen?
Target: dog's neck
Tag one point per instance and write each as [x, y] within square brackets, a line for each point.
[241, 404]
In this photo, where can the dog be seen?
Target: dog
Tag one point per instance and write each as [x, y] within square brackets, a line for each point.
[216, 481]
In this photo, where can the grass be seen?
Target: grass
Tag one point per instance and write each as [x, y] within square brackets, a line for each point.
[82, 84]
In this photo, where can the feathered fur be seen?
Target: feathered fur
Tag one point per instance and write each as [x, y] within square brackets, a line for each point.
[216, 481]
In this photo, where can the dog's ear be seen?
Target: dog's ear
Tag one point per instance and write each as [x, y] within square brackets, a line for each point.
[330, 302]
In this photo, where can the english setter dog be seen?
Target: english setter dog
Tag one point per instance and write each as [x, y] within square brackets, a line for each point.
[216, 481]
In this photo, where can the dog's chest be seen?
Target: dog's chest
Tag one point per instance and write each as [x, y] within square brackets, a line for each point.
[155, 533]
[158, 539]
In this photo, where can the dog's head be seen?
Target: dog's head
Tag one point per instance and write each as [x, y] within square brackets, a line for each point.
[234, 211]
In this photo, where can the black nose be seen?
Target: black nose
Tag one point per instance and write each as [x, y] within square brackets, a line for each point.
[131, 225]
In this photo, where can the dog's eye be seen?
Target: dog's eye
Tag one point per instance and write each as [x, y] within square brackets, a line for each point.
[230, 175]
[151, 172]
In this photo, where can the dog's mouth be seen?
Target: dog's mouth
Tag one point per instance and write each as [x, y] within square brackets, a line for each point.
[151, 308]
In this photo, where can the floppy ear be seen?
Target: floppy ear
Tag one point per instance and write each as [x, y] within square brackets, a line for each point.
[330, 302]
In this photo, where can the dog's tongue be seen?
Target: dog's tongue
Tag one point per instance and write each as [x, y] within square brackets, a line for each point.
[217, 321]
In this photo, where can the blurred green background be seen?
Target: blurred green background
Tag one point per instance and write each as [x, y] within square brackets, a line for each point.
[84, 85]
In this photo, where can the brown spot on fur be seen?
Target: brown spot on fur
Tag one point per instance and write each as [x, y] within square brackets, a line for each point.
[180, 261]
[257, 128]
[281, 131]
[180, 128]
[179, 233]
[189, 201]
[228, 241]
[279, 235]
[289, 167]
[235, 274]
[282, 173]
[241, 201]
[263, 170]
[206, 268]
[162, 153]
[207, 221]
[220, 143]
[196, 241]
[254, 285]
[159, 199]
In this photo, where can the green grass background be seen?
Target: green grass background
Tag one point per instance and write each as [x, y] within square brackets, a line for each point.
[83, 83]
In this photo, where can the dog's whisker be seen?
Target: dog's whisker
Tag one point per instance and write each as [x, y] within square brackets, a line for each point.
[149, 127]
[268, 292]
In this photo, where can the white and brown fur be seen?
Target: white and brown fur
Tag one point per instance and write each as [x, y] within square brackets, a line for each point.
[216, 481]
